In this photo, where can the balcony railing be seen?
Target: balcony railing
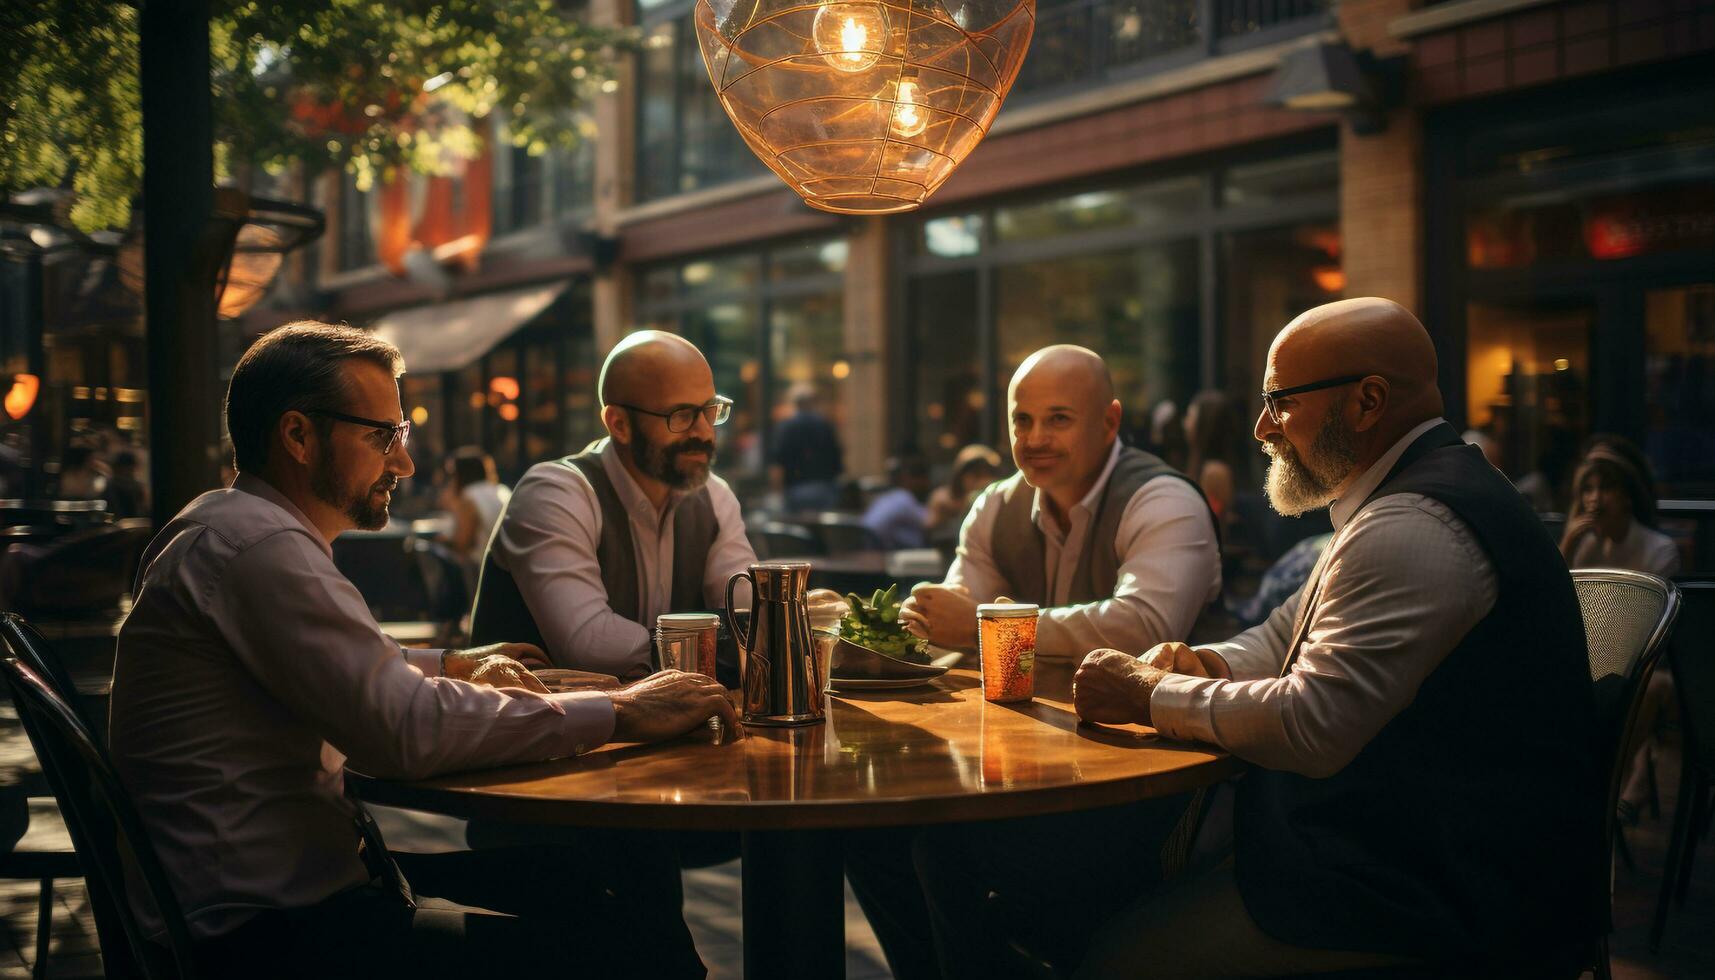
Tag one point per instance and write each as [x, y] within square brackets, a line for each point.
[1085, 42]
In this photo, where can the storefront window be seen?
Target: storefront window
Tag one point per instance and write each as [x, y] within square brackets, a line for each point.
[944, 343]
[1170, 200]
[1679, 389]
[685, 140]
[1528, 385]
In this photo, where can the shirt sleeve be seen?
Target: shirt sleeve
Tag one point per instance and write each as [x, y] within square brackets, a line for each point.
[1170, 569]
[973, 565]
[427, 661]
[732, 552]
[335, 668]
[1402, 588]
[547, 540]
[1259, 651]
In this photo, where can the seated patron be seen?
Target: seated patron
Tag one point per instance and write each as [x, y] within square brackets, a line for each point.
[974, 468]
[897, 515]
[593, 547]
[249, 672]
[1405, 805]
[1117, 547]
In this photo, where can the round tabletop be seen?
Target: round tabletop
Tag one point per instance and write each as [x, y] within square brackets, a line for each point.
[930, 754]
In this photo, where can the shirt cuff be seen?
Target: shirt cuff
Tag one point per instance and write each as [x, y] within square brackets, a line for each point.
[589, 718]
[427, 661]
[1179, 707]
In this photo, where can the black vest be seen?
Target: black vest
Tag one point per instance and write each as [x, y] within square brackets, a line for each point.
[1471, 825]
[1018, 538]
[501, 615]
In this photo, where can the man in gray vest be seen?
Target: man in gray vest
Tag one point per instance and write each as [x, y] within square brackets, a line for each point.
[594, 546]
[1118, 548]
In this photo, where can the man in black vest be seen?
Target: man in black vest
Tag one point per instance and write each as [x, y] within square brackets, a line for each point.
[594, 546]
[1117, 547]
[1420, 715]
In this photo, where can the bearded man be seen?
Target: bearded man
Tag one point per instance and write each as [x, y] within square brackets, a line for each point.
[594, 546]
[1407, 804]
[249, 670]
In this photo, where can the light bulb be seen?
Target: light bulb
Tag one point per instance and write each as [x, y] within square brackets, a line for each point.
[909, 117]
[850, 36]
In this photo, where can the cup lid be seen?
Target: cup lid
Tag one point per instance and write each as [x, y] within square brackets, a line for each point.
[1007, 610]
[686, 621]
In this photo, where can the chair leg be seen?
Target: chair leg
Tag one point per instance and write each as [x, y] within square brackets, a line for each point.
[1702, 806]
[1684, 813]
[1623, 849]
[44, 928]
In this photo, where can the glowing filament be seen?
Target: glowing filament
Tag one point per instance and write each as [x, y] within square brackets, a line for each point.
[850, 36]
[909, 119]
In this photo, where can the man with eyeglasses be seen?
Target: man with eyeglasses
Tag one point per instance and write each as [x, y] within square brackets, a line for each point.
[1427, 784]
[594, 546]
[249, 671]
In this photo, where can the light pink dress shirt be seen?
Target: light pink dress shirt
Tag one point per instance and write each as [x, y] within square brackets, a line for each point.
[248, 672]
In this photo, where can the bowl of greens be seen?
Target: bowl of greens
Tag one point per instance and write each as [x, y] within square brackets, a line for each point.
[873, 644]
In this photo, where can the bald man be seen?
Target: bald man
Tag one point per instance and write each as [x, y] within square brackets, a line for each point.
[594, 546]
[1116, 546]
[1427, 784]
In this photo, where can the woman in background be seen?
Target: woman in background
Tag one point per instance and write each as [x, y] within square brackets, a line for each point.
[1212, 434]
[974, 468]
[475, 497]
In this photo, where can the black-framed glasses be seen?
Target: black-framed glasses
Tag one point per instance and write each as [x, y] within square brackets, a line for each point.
[681, 419]
[1268, 397]
[397, 435]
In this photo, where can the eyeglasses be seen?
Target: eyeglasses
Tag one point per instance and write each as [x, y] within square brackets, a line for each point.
[681, 419]
[1269, 397]
[397, 435]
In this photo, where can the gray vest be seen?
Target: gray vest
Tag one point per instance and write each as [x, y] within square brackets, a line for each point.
[501, 614]
[1018, 538]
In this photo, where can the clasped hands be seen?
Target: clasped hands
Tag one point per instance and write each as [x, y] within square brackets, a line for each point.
[1113, 688]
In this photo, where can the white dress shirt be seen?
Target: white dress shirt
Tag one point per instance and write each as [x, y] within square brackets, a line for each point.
[1403, 581]
[1169, 566]
[547, 541]
[248, 671]
[1641, 549]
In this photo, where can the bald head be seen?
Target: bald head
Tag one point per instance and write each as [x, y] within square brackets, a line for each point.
[653, 366]
[1362, 336]
[1069, 370]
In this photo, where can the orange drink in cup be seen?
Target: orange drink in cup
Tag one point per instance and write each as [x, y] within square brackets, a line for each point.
[1006, 645]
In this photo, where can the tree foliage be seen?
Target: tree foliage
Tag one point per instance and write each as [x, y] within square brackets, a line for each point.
[363, 84]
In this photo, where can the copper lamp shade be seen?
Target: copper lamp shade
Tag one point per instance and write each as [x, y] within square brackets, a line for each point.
[863, 107]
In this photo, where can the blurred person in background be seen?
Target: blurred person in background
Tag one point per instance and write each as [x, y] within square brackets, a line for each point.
[1167, 434]
[807, 459]
[1612, 525]
[897, 516]
[974, 468]
[126, 494]
[1212, 441]
[80, 475]
[475, 497]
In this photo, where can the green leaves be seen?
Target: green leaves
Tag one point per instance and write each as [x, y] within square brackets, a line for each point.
[874, 623]
[326, 82]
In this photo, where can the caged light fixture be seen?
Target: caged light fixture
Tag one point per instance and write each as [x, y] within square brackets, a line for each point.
[863, 107]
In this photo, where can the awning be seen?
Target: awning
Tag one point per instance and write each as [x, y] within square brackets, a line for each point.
[448, 335]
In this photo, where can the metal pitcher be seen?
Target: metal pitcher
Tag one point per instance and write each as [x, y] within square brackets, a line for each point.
[782, 680]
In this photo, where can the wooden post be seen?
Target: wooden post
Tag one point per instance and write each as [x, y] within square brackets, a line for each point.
[180, 253]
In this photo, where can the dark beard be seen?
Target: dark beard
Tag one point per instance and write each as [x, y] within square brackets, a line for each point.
[1297, 486]
[661, 462]
[357, 507]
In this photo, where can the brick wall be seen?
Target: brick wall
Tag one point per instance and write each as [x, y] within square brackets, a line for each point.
[1381, 179]
[1546, 44]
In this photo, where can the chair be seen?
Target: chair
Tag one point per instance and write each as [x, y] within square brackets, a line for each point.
[83, 572]
[840, 533]
[778, 540]
[105, 830]
[1627, 617]
[1692, 655]
[42, 866]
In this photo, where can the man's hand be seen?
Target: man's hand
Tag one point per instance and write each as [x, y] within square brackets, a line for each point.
[496, 665]
[669, 703]
[1178, 658]
[1113, 688]
[945, 615]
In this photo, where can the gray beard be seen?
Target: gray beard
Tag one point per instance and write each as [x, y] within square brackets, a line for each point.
[1297, 486]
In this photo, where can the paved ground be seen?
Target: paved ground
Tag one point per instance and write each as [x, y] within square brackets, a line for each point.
[712, 896]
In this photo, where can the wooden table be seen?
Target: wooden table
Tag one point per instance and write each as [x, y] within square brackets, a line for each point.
[931, 754]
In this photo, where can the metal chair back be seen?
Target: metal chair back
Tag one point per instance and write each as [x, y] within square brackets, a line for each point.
[105, 829]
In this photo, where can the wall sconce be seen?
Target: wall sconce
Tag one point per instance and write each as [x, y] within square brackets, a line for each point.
[1331, 77]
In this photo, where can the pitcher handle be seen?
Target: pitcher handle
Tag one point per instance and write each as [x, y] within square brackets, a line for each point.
[738, 632]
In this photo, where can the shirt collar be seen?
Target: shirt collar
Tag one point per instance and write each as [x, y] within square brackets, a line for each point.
[1346, 507]
[630, 494]
[1088, 502]
[258, 487]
